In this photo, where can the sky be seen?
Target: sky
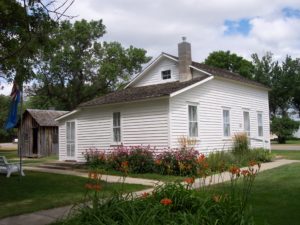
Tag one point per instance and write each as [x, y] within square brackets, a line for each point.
[241, 26]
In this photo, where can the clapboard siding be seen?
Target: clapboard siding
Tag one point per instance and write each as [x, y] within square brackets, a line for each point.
[153, 76]
[211, 97]
[142, 123]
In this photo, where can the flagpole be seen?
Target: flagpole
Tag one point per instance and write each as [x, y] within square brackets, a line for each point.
[21, 130]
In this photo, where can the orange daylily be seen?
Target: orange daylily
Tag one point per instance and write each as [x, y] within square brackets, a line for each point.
[166, 201]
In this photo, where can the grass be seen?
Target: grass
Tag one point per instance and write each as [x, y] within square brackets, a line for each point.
[288, 142]
[287, 154]
[37, 191]
[275, 196]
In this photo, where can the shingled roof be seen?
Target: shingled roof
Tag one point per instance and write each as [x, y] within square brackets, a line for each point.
[141, 93]
[45, 117]
[159, 90]
[217, 72]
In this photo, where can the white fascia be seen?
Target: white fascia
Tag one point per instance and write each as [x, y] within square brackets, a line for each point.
[67, 114]
[191, 86]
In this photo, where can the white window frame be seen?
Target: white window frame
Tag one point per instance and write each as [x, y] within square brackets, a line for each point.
[116, 127]
[260, 125]
[70, 143]
[246, 131]
[162, 77]
[223, 123]
[193, 121]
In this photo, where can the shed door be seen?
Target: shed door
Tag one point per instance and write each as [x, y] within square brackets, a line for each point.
[70, 126]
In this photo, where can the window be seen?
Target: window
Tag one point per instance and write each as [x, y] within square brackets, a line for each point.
[193, 121]
[247, 123]
[166, 74]
[226, 123]
[116, 126]
[70, 126]
[260, 124]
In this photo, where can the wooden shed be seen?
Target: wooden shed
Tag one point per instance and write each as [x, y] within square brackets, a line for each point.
[39, 132]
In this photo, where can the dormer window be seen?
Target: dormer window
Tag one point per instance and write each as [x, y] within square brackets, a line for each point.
[166, 74]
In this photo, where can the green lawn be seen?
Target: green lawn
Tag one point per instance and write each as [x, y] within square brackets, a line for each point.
[276, 197]
[289, 142]
[287, 154]
[37, 191]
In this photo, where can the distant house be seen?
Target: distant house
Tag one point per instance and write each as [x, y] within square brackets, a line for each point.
[39, 132]
[172, 97]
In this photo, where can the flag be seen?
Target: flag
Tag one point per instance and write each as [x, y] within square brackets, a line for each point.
[12, 119]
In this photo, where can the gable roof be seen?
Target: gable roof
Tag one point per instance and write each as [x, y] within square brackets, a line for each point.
[142, 93]
[217, 72]
[45, 117]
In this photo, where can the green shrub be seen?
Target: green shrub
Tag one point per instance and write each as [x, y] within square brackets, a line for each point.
[95, 158]
[220, 160]
[284, 128]
[240, 144]
[140, 160]
[260, 155]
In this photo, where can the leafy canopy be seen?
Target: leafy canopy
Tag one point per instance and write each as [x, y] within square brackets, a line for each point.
[75, 66]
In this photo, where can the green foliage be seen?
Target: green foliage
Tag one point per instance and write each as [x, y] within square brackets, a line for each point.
[220, 160]
[168, 204]
[240, 144]
[283, 127]
[23, 31]
[75, 66]
[141, 160]
[230, 61]
[5, 136]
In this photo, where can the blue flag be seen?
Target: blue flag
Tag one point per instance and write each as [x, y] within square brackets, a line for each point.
[12, 119]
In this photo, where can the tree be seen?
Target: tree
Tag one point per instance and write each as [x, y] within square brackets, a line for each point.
[24, 26]
[231, 62]
[75, 66]
[5, 136]
[283, 127]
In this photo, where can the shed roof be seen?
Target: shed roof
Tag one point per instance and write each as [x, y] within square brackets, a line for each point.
[46, 117]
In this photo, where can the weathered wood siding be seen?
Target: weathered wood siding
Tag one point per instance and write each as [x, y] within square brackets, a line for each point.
[45, 145]
[142, 123]
[211, 97]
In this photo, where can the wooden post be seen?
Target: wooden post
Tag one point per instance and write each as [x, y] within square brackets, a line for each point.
[20, 142]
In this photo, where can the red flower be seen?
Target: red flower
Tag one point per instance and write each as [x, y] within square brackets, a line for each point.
[166, 201]
[145, 195]
[189, 180]
[201, 158]
[252, 163]
[245, 172]
[234, 170]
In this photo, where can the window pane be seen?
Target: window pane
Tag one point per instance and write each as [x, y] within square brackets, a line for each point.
[226, 123]
[247, 123]
[193, 121]
[116, 119]
[117, 134]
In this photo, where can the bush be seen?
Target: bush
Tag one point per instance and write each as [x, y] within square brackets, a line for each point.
[117, 157]
[177, 162]
[260, 155]
[172, 203]
[95, 158]
[240, 144]
[140, 160]
[220, 160]
[284, 128]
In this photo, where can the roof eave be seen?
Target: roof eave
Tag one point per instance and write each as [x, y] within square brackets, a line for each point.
[191, 86]
[67, 115]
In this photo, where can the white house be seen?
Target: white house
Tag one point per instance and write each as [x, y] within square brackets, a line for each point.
[172, 97]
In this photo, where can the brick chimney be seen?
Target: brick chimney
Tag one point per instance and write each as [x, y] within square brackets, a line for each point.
[185, 60]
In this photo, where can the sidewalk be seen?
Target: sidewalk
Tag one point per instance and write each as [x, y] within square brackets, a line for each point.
[51, 215]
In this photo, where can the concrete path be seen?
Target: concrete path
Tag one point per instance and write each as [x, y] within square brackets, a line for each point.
[51, 215]
[107, 178]
[285, 147]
